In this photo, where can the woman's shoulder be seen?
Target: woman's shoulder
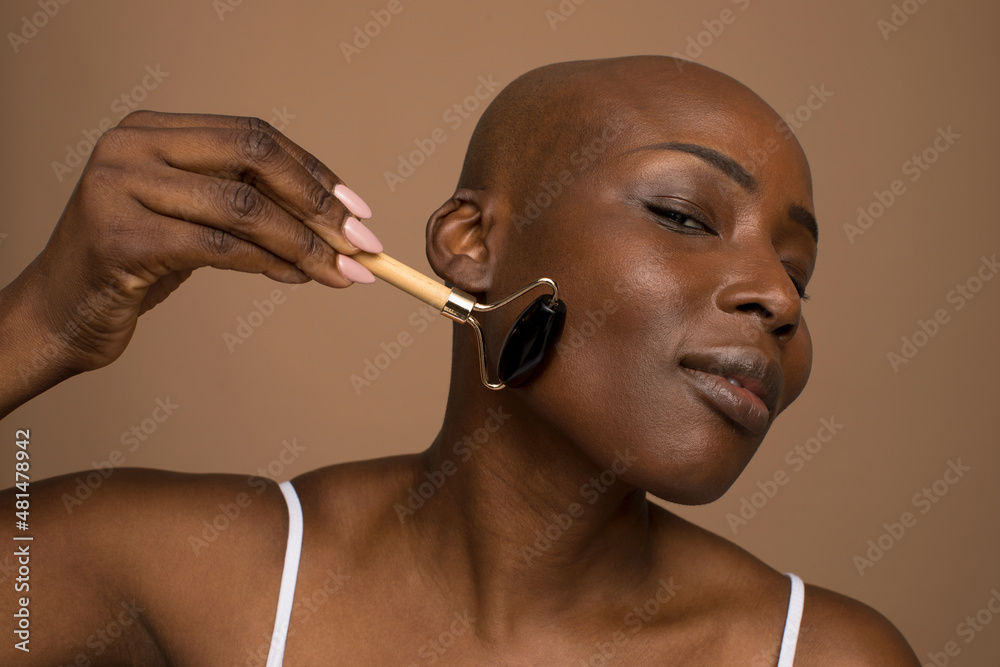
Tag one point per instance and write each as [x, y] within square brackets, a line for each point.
[837, 629]
[163, 543]
[334, 483]
[834, 629]
[201, 515]
[202, 507]
[344, 503]
[187, 524]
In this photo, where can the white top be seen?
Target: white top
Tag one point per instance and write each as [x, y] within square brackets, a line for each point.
[275, 657]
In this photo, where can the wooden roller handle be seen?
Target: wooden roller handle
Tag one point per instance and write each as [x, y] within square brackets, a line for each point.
[409, 280]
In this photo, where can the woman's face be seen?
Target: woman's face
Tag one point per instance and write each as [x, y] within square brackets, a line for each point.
[680, 271]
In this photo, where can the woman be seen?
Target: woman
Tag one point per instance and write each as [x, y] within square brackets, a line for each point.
[673, 208]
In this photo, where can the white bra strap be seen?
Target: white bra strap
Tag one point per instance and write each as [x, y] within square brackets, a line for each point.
[796, 600]
[288, 577]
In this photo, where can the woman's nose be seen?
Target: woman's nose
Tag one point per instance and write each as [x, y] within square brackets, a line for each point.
[761, 288]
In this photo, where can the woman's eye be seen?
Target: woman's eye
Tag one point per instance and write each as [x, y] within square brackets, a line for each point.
[680, 219]
[801, 290]
[799, 287]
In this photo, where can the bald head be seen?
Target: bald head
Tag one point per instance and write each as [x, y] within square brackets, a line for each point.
[560, 119]
[536, 122]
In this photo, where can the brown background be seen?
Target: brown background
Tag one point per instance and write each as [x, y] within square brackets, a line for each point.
[290, 379]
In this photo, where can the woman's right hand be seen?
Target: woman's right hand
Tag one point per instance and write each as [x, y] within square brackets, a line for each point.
[162, 195]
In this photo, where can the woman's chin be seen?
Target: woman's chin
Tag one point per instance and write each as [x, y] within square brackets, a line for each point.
[697, 496]
[691, 482]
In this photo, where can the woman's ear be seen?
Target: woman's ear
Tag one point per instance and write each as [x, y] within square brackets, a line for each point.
[456, 242]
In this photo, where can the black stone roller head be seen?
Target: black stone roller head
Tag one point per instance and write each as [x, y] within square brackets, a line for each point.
[529, 339]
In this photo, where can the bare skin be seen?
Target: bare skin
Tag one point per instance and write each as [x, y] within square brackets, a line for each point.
[537, 544]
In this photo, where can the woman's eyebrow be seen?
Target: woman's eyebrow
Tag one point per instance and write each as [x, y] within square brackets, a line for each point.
[802, 216]
[721, 161]
[735, 171]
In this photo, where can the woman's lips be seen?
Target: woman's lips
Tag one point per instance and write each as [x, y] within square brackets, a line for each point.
[739, 404]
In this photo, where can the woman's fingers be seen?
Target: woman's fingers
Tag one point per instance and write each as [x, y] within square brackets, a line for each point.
[238, 209]
[254, 158]
[193, 246]
[323, 174]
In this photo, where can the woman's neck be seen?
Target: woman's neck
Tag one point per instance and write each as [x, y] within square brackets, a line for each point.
[517, 521]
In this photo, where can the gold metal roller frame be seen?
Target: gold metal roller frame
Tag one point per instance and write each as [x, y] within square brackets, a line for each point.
[451, 302]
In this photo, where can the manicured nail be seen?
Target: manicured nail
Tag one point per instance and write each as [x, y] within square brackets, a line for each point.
[352, 201]
[353, 271]
[361, 236]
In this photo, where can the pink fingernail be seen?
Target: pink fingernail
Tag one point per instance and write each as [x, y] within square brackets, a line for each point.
[353, 271]
[352, 201]
[361, 236]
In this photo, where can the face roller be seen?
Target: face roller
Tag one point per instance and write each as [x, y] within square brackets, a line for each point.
[529, 339]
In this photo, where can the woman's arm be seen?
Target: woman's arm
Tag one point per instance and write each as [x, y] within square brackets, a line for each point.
[162, 195]
[61, 585]
[31, 360]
